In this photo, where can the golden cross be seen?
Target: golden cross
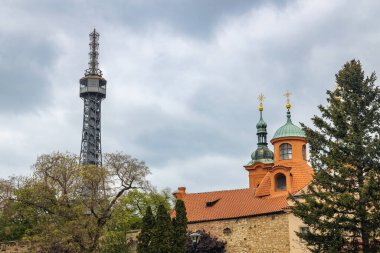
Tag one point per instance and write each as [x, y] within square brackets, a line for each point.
[261, 99]
[287, 95]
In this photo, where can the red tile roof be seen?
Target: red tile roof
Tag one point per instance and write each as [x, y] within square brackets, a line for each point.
[264, 187]
[301, 173]
[230, 204]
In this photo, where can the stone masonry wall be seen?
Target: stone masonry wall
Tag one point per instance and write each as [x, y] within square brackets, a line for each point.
[260, 234]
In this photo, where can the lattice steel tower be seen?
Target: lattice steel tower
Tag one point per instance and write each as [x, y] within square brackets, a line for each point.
[92, 90]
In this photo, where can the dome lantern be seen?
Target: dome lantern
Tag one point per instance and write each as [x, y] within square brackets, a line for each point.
[289, 129]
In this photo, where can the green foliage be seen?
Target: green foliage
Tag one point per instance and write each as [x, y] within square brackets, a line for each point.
[146, 233]
[128, 215]
[116, 242]
[162, 232]
[207, 244]
[342, 204]
[66, 207]
[136, 202]
[179, 237]
[15, 221]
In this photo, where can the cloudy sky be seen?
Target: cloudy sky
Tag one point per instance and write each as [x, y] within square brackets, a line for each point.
[183, 77]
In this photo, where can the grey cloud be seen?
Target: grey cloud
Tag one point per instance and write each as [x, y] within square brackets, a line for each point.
[184, 77]
[24, 66]
[182, 140]
[195, 18]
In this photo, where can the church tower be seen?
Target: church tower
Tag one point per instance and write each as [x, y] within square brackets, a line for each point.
[286, 169]
[92, 90]
[273, 176]
[262, 153]
[262, 157]
[289, 142]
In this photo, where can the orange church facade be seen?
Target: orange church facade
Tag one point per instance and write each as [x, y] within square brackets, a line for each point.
[258, 218]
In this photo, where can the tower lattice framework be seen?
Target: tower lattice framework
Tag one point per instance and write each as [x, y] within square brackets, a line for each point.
[92, 90]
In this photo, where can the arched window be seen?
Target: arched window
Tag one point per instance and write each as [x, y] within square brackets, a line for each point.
[280, 182]
[285, 151]
[304, 152]
[227, 231]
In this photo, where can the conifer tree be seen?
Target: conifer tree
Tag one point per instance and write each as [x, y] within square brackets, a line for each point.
[145, 236]
[342, 203]
[179, 237]
[162, 232]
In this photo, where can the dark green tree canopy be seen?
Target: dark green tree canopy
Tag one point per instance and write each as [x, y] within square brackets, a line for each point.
[146, 233]
[342, 204]
[162, 232]
[179, 238]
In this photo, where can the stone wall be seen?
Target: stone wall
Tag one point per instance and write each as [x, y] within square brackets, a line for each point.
[296, 244]
[260, 234]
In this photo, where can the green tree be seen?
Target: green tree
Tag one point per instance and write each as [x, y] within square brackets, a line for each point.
[179, 223]
[162, 232]
[342, 203]
[15, 219]
[145, 236]
[73, 203]
[127, 217]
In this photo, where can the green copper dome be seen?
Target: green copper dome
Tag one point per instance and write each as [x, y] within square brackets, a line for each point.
[289, 129]
[261, 124]
[262, 154]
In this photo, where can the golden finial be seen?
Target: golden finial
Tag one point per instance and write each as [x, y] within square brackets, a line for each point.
[261, 99]
[287, 95]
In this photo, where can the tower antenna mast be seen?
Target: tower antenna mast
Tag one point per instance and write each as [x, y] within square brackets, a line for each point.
[93, 54]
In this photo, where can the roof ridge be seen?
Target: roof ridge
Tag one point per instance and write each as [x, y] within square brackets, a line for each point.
[219, 191]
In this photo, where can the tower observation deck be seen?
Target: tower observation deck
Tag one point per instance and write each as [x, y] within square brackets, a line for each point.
[92, 90]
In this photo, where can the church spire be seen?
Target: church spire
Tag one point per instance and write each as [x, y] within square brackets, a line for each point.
[262, 153]
[261, 126]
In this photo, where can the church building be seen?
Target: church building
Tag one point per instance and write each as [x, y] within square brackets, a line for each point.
[259, 218]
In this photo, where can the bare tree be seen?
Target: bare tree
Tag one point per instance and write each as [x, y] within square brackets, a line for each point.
[73, 202]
